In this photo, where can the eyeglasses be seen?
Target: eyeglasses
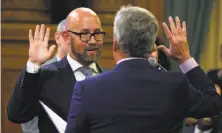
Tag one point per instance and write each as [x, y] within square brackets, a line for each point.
[86, 36]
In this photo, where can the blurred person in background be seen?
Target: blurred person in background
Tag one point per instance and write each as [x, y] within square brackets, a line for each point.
[62, 46]
[159, 55]
[216, 75]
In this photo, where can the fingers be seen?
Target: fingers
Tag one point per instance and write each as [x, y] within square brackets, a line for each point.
[30, 37]
[175, 30]
[46, 37]
[178, 24]
[164, 49]
[42, 31]
[40, 36]
[167, 31]
[172, 26]
[184, 29]
[36, 35]
[51, 50]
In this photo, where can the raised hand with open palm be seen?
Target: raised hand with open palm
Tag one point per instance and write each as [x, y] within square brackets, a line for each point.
[177, 36]
[39, 52]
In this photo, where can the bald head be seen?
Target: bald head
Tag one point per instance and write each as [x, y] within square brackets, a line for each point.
[84, 34]
[79, 16]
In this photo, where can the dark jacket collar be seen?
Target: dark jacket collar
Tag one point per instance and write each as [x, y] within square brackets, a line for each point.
[133, 63]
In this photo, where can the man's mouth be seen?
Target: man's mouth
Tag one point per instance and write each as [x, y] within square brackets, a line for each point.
[92, 51]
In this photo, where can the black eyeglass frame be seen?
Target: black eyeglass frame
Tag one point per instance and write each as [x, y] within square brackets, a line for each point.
[91, 34]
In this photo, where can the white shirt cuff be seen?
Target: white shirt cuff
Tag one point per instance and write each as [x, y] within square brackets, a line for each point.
[188, 65]
[32, 68]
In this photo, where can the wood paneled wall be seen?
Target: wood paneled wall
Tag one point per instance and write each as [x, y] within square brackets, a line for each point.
[25, 11]
[15, 39]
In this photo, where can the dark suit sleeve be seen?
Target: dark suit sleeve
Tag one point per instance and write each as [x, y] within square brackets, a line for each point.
[77, 115]
[203, 101]
[23, 104]
[213, 76]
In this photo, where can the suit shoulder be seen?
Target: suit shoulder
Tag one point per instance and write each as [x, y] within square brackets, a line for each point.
[49, 70]
[175, 75]
[172, 79]
[50, 67]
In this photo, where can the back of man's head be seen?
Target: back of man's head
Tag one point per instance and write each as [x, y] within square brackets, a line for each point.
[61, 26]
[63, 47]
[135, 30]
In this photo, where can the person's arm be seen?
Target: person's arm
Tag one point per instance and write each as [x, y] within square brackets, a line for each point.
[202, 98]
[23, 105]
[202, 91]
[77, 115]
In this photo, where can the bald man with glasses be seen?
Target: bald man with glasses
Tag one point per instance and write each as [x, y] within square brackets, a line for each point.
[53, 84]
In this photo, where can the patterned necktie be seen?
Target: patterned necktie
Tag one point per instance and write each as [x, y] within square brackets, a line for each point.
[87, 71]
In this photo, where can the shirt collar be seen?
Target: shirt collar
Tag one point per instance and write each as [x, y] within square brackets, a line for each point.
[57, 57]
[76, 65]
[129, 58]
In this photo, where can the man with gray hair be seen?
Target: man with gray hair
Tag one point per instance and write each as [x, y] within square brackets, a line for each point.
[135, 97]
[62, 46]
[62, 50]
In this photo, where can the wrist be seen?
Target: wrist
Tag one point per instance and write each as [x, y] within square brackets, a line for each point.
[184, 59]
[34, 62]
[32, 68]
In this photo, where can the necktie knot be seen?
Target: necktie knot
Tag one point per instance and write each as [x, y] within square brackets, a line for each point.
[87, 71]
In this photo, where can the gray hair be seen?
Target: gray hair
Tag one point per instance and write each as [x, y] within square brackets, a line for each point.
[61, 26]
[135, 30]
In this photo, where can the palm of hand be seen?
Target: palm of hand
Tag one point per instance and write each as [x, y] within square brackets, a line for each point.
[38, 51]
[179, 48]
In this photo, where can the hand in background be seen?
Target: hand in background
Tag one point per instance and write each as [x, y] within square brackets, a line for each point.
[179, 48]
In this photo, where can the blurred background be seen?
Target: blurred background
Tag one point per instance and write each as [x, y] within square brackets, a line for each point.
[203, 18]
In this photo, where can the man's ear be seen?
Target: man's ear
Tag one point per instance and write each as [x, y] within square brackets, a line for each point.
[56, 37]
[115, 46]
[66, 37]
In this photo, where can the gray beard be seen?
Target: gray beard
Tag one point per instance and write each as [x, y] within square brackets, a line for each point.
[83, 57]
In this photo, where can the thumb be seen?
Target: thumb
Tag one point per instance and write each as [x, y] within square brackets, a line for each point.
[164, 49]
[51, 50]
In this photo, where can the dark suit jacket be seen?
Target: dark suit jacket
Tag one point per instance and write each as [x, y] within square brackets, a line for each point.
[53, 85]
[134, 97]
[217, 120]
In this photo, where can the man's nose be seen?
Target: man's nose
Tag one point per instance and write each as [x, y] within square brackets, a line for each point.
[92, 40]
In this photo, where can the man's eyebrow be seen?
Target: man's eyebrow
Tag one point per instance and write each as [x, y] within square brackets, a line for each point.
[98, 30]
[87, 30]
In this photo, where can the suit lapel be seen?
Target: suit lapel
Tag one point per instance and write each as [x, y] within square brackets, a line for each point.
[100, 69]
[65, 70]
[64, 88]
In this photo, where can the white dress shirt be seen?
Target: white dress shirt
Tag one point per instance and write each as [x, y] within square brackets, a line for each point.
[197, 130]
[57, 57]
[33, 68]
[75, 65]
